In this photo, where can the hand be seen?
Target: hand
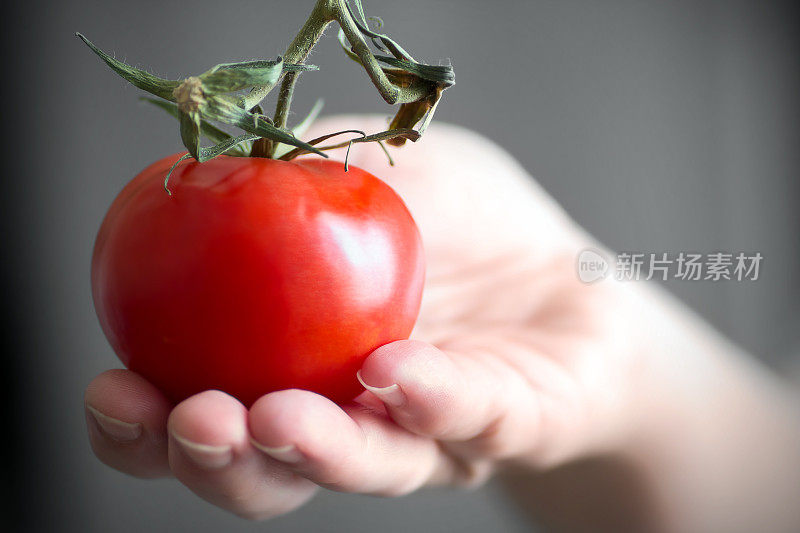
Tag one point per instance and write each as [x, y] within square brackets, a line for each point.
[520, 360]
[515, 361]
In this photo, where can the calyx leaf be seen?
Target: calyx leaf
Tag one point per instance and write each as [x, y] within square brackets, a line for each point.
[231, 77]
[300, 128]
[141, 79]
[225, 109]
[388, 135]
[207, 130]
[206, 97]
[205, 154]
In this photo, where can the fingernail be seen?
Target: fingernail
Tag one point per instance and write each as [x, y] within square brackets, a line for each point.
[116, 429]
[205, 455]
[286, 454]
[391, 395]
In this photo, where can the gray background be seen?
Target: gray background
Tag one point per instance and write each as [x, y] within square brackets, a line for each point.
[661, 126]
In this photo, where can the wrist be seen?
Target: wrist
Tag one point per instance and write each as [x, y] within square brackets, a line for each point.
[715, 433]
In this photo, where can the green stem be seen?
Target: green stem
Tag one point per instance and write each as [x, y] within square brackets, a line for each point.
[297, 52]
[299, 48]
[284, 100]
[325, 12]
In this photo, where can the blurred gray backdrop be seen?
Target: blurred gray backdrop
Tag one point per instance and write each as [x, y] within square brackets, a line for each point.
[660, 126]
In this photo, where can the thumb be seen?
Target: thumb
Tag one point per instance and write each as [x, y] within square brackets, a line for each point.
[495, 399]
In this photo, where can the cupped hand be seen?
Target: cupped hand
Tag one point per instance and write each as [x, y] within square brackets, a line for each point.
[513, 359]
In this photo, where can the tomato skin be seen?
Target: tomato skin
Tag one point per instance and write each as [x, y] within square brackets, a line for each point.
[256, 275]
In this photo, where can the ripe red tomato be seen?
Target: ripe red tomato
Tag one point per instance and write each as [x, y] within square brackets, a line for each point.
[256, 275]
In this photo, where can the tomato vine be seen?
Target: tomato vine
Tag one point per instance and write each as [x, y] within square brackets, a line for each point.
[232, 93]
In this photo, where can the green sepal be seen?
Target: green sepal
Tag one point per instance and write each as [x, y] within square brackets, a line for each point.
[225, 109]
[207, 130]
[222, 78]
[204, 154]
[404, 133]
[141, 79]
[288, 156]
[264, 63]
[231, 77]
[301, 127]
[190, 132]
[181, 159]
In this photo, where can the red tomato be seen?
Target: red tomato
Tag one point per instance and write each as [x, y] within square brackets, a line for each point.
[256, 275]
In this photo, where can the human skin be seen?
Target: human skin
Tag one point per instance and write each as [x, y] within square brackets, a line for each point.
[515, 367]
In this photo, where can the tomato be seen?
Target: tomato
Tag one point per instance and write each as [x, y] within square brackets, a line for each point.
[256, 275]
